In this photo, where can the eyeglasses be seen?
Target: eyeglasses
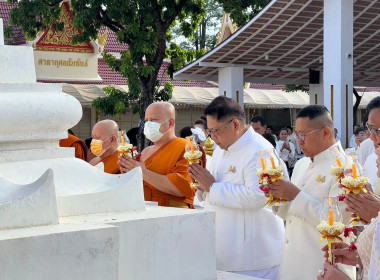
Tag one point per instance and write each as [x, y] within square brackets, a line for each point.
[301, 135]
[216, 131]
[375, 131]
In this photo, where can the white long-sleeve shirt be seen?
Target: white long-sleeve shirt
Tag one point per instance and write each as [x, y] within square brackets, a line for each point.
[248, 235]
[303, 257]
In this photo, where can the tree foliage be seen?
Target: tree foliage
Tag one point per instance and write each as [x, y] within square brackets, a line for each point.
[205, 36]
[292, 88]
[242, 11]
[144, 25]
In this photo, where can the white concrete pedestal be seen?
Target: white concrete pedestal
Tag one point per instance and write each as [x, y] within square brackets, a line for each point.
[60, 252]
[162, 243]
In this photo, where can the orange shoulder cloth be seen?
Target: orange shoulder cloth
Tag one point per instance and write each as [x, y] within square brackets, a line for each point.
[110, 164]
[169, 161]
[77, 143]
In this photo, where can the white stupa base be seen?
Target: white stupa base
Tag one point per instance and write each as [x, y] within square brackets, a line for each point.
[81, 189]
[28, 205]
[162, 243]
[60, 252]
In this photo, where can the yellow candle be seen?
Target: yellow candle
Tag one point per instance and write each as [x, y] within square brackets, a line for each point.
[272, 161]
[331, 217]
[354, 171]
[122, 140]
[262, 163]
[192, 147]
[338, 162]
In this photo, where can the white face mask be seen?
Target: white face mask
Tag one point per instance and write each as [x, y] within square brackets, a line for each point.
[152, 131]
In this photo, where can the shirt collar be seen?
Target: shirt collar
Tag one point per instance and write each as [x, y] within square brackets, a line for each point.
[328, 152]
[241, 141]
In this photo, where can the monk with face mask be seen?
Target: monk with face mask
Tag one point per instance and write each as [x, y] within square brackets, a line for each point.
[104, 145]
[166, 179]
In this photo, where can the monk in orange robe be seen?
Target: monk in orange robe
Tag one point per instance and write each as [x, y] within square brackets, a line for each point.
[77, 143]
[104, 145]
[166, 178]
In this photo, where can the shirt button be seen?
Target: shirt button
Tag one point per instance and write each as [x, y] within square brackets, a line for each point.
[287, 241]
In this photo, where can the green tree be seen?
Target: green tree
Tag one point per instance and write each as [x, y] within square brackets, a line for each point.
[242, 11]
[144, 25]
[207, 32]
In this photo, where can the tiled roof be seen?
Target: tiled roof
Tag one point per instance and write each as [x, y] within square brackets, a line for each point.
[112, 45]
[4, 14]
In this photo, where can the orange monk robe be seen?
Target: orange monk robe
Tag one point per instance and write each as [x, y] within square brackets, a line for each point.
[110, 164]
[168, 160]
[78, 144]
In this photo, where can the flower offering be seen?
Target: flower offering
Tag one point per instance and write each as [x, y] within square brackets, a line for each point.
[269, 173]
[126, 148]
[353, 182]
[192, 153]
[331, 226]
[338, 170]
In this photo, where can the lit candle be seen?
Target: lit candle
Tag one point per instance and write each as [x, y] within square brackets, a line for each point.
[122, 140]
[354, 172]
[331, 217]
[338, 162]
[330, 201]
[262, 163]
[272, 161]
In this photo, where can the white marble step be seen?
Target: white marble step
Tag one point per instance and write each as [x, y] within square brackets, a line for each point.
[223, 275]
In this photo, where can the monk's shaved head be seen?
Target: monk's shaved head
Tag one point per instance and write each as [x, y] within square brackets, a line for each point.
[106, 128]
[166, 108]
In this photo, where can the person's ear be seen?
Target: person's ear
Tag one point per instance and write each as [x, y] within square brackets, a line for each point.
[327, 131]
[236, 124]
[171, 122]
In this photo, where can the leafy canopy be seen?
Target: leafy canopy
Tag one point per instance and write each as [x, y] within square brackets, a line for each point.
[144, 25]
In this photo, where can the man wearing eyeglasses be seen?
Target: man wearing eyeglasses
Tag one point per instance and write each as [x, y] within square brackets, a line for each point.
[249, 237]
[367, 206]
[311, 182]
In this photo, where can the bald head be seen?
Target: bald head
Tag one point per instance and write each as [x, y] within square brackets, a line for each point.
[166, 108]
[105, 129]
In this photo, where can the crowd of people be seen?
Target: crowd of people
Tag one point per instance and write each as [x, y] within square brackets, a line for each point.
[269, 242]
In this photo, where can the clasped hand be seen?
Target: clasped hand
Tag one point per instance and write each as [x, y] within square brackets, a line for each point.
[366, 206]
[201, 175]
[282, 189]
[127, 163]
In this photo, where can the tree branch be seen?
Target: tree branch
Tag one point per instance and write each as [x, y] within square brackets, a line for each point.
[102, 16]
[178, 9]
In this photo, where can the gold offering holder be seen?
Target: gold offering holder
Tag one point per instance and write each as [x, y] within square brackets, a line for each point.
[193, 157]
[355, 186]
[331, 234]
[268, 176]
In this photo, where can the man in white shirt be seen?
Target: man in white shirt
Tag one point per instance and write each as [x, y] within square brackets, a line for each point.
[249, 237]
[366, 148]
[361, 204]
[311, 182]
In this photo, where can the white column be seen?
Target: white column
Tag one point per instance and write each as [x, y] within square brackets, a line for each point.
[338, 64]
[1, 33]
[316, 92]
[231, 83]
